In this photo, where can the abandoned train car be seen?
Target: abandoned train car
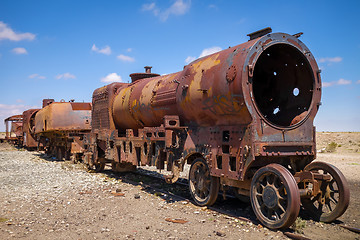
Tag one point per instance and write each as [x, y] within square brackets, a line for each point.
[60, 127]
[242, 117]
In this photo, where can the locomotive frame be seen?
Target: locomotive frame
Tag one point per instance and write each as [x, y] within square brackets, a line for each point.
[242, 118]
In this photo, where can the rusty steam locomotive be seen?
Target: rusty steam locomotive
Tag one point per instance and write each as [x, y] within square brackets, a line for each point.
[242, 118]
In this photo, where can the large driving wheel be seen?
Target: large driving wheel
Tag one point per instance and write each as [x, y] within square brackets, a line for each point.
[122, 167]
[203, 187]
[334, 198]
[275, 196]
[98, 166]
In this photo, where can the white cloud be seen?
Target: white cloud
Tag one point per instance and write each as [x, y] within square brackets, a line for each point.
[65, 76]
[129, 50]
[330, 60]
[6, 33]
[35, 75]
[327, 84]
[205, 52]
[179, 7]
[105, 50]
[189, 59]
[148, 7]
[213, 6]
[358, 82]
[125, 58]
[19, 50]
[208, 51]
[112, 77]
[341, 81]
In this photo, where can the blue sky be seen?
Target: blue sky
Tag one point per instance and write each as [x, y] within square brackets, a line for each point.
[66, 49]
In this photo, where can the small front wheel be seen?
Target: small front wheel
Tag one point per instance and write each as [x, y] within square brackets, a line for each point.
[203, 187]
[334, 196]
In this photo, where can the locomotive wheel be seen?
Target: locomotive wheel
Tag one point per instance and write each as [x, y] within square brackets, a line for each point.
[122, 167]
[74, 158]
[67, 155]
[334, 198]
[275, 197]
[59, 153]
[204, 188]
[98, 166]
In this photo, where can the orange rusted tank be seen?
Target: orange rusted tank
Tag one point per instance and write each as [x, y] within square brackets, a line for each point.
[274, 78]
[59, 126]
[63, 116]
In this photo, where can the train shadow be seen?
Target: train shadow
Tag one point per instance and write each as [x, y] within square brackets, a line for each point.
[47, 157]
[153, 183]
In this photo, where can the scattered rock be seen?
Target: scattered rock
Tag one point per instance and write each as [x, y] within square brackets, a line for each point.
[220, 233]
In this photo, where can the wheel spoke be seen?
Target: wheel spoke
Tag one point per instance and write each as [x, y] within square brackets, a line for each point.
[281, 207]
[268, 179]
[315, 198]
[329, 206]
[332, 199]
[269, 213]
[278, 214]
[320, 207]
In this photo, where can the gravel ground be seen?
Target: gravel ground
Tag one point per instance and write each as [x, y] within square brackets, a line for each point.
[41, 198]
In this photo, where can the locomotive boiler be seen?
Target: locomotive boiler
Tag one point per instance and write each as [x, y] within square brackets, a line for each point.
[242, 118]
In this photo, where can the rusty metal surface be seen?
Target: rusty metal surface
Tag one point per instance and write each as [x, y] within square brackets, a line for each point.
[13, 132]
[262, 94]
[29, 128]
[102, 100]
[331, 199]
[238, 110]
[60, 127]
[61, 116]
[353, 229]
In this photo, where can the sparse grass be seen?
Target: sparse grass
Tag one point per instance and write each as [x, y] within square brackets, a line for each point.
[3, 219]
[354, 164]
[299, 225]
[331, 147]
